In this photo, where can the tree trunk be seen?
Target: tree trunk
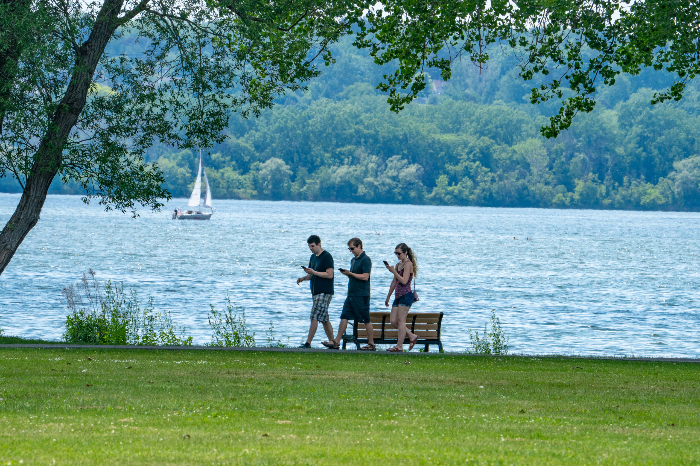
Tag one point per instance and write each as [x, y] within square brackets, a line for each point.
[49, 156]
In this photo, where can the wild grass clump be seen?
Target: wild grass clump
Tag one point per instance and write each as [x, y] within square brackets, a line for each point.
[493, 342]
[107, 315]
[229, 327]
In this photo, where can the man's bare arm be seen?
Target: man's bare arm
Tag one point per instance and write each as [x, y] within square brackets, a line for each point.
[327, 274]
[360, 276]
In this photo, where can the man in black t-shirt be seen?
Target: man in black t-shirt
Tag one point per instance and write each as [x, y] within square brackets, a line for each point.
[320, 274]
[356, 306]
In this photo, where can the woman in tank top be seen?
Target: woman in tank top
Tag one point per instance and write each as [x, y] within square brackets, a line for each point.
[401, 286]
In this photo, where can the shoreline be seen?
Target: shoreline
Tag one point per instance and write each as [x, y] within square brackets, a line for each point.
[264, 349]
[411, 204]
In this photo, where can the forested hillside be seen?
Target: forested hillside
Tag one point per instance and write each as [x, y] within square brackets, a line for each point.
[472, 141]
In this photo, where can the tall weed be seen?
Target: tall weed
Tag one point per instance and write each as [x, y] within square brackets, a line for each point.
[110, 316]
[493, 342]
[229, 326]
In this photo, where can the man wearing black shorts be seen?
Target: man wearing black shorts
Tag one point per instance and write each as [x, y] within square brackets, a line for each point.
[320, 274]
[356, 306]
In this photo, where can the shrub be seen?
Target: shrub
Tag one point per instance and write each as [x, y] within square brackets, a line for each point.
[229, 327]
[115, 317]
[493, 342]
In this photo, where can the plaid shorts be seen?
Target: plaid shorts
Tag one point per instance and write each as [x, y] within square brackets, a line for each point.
[319, 311]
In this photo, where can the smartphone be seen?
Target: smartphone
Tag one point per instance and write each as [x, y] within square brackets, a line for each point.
[302, 266]
[386, 263]
[342, 270]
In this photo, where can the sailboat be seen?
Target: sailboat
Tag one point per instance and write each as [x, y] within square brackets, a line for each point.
[195, 210]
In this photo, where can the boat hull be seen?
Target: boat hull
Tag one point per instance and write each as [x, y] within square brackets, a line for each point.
[193, 216]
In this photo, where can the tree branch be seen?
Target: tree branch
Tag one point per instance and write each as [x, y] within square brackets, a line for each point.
[129, 15]
[245, 17]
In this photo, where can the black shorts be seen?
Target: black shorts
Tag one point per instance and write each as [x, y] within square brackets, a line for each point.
[356, 308]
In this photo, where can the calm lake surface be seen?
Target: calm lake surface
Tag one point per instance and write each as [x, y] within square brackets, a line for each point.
[588, 282]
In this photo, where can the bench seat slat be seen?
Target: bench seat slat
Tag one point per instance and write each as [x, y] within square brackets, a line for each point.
[432, 328]
[417, 328]
[421, 334]
[421, 326]
[363, 333]
[390, 328]
[434, 320]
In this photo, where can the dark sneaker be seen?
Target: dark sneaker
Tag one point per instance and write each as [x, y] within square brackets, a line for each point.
[305, 345]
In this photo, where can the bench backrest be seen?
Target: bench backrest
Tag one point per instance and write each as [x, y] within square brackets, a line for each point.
[424, 324]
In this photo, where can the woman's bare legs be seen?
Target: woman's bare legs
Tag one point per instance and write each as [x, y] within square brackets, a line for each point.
[394, 317]
[398, 320]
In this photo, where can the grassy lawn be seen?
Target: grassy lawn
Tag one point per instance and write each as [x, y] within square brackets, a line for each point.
[120, 407]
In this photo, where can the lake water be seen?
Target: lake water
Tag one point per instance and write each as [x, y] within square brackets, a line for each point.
[588, 282]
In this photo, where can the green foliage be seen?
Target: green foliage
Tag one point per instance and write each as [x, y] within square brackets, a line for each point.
[116, 318]
[493, 342]
[629, 155]
[573, 48]
[476, 144]
[229, 326]
[473, 144]
[157, 72]
[417, 35]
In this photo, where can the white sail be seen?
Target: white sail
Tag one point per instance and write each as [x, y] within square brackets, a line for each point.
[197, 191]
[207, 197]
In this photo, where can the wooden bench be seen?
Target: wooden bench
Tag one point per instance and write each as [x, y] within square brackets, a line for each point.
[424, 324]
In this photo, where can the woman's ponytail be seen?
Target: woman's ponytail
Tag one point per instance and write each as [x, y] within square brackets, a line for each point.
[411, 256]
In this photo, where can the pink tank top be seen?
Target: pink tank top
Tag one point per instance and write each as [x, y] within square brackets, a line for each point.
[403, 289]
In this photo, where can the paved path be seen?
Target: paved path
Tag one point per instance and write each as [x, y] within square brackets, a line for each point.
[314, 350]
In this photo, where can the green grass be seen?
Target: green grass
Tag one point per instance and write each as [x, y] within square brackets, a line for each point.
[208, 407]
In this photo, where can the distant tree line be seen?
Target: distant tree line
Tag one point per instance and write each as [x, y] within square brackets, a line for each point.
[474, 140]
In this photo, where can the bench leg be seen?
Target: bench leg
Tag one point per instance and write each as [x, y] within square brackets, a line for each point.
[440, 346]
[344, 344]
[357, 345]
[427, 348]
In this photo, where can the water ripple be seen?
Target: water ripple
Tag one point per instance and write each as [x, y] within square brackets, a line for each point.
[587, 282]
